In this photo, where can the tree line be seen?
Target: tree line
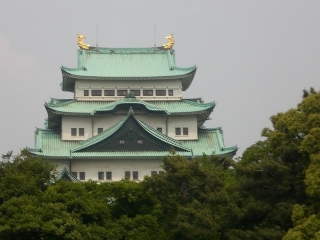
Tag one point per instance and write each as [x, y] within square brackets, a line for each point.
[271, 192]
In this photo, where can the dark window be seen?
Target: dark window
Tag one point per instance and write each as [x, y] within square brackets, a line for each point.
[185, 131]
[135, 92]
[147, 92]
[75, 174]
[159, 129]
[170, 92]
[101, 175]
[109, 175]
[100, 130]
[135, 175]
[109, 92]
[82, 176]
[178, 131]
[85, 92]
[121, 141]
[160, 92]
[127, 174]
[73, 132]
[122, 92]
[81, 131]
[140, 141]
[96, 93]
[153, 173]
[161, 172]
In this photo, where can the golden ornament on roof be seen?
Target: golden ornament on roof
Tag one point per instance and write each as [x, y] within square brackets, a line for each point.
[81, 44]
[170, 43]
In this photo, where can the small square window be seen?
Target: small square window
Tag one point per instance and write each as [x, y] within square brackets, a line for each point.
[153, 173]
[75, 174]
[147, 92]
[127, 174]
[135, 92]
[170, 92]
[109, 175]
[100, 130]
[85, 92]
[121, 141]
[82, 176]
[178, 131]
[135, 175]
[122, 92]
[81, 131]
[101, 175]
[160, 92]
[140, 141]
[96, 93]
[73, 132]
[185, 131]
[109, 92]
[159, 129]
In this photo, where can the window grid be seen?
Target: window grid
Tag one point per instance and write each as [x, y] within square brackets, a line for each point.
[85, 92]
[109, 175]
[170, 92]
[100, 130]
[135, 175]
[160, 92]
[185, 131]
[81, 131]
[147, 92]
[96, 93]
[101, 175]
[109, 92]
[135, 92]
[178, 131]
[127, 174]
[122, 92]
[82, 176]
[73, 132]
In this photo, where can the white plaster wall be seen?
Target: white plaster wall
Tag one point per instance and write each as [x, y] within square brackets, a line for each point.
[116, 166]
[59, 163]
[106, 122]
[69, 122]
[183, 121]
[154, 121]
[81, 85]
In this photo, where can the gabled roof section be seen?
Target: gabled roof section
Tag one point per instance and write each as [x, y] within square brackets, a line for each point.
[148, 131]
[126, 64]
[49, 145]
[65, 175]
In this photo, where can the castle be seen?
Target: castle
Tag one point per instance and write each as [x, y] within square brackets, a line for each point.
[126, 115]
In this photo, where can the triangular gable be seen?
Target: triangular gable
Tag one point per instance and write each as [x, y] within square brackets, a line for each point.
[130, 134]
[65, 175]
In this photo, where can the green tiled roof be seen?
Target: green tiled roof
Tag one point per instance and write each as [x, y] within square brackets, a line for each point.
[126, 64]
[50, 145]
[74, 107]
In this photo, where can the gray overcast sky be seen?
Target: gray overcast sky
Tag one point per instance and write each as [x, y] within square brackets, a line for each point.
[254, 58]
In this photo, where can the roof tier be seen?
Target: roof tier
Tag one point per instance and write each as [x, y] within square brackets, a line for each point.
[126, 64]
[50, 145]
[57, 108]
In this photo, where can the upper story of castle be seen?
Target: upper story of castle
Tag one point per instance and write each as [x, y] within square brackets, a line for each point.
[113, 73]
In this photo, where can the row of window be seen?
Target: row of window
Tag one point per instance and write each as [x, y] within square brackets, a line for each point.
[80, 132]
[124, 92]
[108, 175]
[185, 131]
